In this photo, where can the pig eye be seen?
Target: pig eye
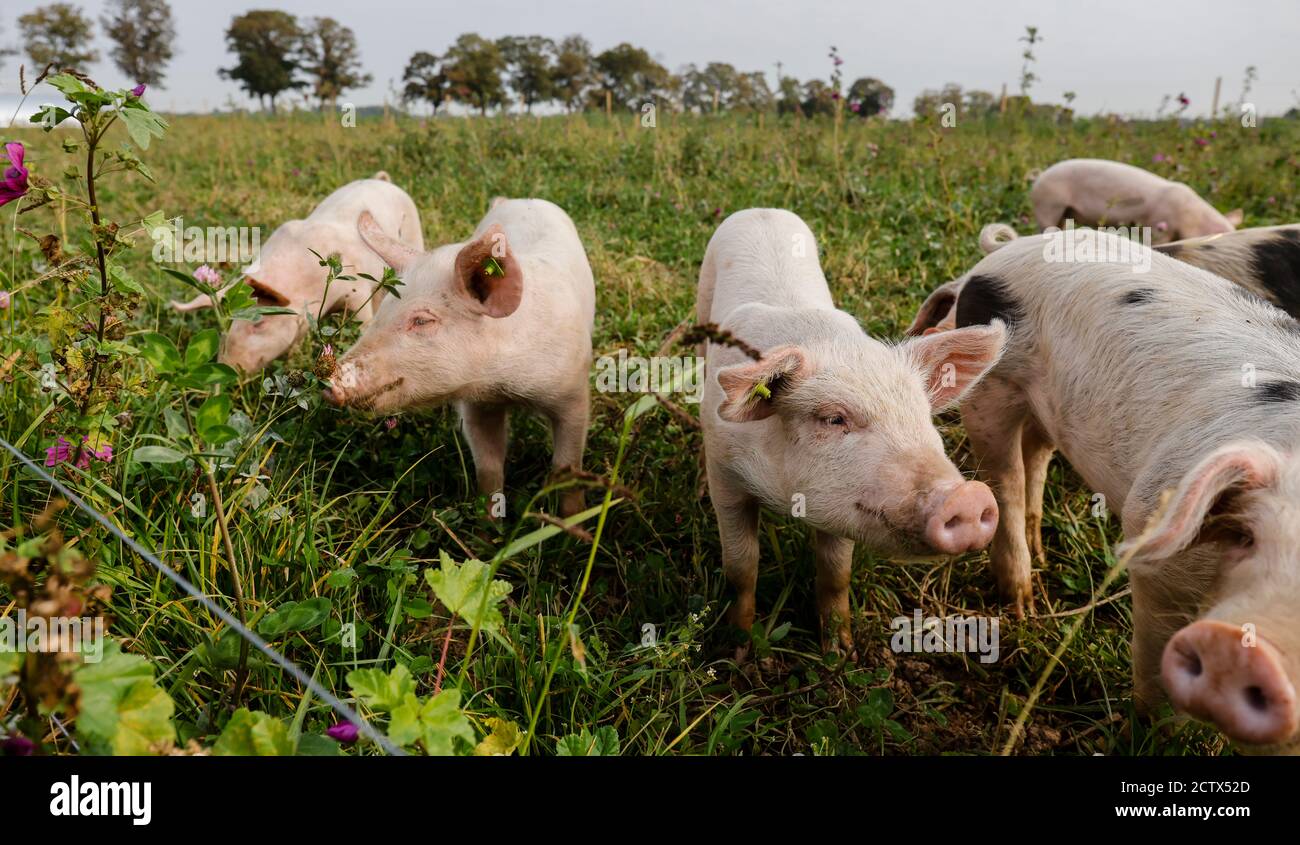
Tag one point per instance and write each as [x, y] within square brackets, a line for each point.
[420, 320]
[836, 420]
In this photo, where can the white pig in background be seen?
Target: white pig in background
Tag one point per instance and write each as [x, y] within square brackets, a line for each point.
[829, 425]
[1094, 192]
[286, 274]
[501, 320]
[1175, 394]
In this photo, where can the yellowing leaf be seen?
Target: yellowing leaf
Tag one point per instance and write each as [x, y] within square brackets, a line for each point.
[465, 590]
[253, 734]
[503, 738]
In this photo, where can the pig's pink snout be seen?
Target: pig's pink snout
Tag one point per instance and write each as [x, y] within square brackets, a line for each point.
[332, 395]
[963, 520]
[1212, 674]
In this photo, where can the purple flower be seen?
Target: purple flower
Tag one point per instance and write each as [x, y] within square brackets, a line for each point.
[1202, 142]
[14, 184]
[58, 453]
[1158, 157]
[15, 745]
[4, 299]
[390, 423]
[344, 732]
[207, 275]
[1162, 226]
[1183, 101]
[138, 91]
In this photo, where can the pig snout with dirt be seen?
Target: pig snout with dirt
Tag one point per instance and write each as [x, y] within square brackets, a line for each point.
[286, 274]
[829, 424]
[503, 319]
[1175, 394]
[1264, 260]
[1094, 192]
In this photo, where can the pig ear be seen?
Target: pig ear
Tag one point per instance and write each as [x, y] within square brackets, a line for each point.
[1206, 504]
[489, 273]
[935, 308]
[953, 361]
[395, 253]
[1235, 216]
[744, 399]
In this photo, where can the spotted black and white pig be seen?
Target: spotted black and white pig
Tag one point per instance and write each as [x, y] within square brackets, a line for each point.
[1175, 394]
[830, 424]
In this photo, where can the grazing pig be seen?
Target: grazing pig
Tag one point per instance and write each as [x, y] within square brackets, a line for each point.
[1094, 192]
[501, 320]
[287, 275]
[1175, 394]
[1265, 260]
[829, 424]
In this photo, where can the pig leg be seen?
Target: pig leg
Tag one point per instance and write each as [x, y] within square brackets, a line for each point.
[485, 428]
[569, 436]
[834, 557]
[1037, 455]
[738, 530]
[994, 417]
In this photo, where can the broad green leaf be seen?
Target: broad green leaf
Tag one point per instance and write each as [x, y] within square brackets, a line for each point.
[120, 707]
[503, 738]
[213, 412]
[295, 616]
[206, 375]
[219, 434]
[201, 348]
[380, 690]
[253, 734]
[434, 724]
[313, 745]
[160, 352]
[123, 281]
[142, 125]
[604, 743]
[463, 588]
[8, 662]
[157, 455]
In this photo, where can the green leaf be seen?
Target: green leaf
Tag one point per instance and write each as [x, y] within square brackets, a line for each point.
[213, 412]
[313, 745]
[67, 84]
[253, 734]
[143, 125]
[123, 281]
[8, 663]
[434, 724]
[219, 434]
[156, 455]
[201, 348]
[465, 590]
[603, 743]
[503, 738]
[206, 375]
[295, 616]
[160, 352]
[120, 707]
[380, 690]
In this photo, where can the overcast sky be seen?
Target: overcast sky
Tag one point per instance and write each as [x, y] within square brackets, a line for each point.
[1117, 56]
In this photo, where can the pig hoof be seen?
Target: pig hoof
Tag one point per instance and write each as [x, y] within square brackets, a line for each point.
[742, 654]
[572, 503]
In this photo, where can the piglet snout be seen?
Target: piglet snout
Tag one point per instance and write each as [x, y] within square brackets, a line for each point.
[1210, 673]
[963, 520]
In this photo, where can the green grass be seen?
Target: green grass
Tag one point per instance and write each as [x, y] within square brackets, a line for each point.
[896, 207]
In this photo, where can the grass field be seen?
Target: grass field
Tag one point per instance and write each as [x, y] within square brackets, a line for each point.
[350, 510]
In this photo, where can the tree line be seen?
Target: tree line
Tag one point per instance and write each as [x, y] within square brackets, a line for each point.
[276, 53]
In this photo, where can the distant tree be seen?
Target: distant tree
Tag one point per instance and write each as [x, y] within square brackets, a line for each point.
[473, 66]
[424, 80]
[58, 33]
[869, 96]
[721, 83]
[631, 76]
[142, 33]
[265, 43]
[529, 61]
[572, 75]
[978, 104]
[328, 54]
[789, 96]
[818, 98]
[929, 102]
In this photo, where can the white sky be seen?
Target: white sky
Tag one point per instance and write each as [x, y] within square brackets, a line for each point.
[1116, 56]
